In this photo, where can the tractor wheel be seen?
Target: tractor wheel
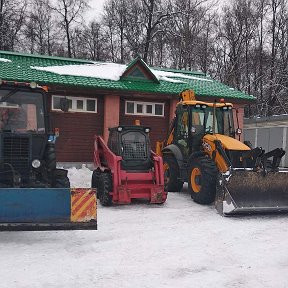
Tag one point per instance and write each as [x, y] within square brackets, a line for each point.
[50, 157]
[62, 182]
[202, 174]
[95, 178]
[171, 174]
[103, 189]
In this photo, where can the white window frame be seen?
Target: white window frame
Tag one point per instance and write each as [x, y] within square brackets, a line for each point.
[74, 104]
[144, 104]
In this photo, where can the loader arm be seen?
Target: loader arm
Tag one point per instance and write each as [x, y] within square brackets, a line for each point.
[217, 145]
[247, 182]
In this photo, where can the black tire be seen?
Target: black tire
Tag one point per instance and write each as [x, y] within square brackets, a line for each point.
[62, 182]
[104, 187]
[95, 178]
[202, 175]
[171, 174]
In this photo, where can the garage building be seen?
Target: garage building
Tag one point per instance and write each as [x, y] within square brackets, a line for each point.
[103, 95]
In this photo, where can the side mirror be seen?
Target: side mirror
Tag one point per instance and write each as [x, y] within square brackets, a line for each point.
[64, 104]
[238, 131]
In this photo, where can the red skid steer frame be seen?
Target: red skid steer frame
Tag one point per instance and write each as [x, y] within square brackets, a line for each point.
[129, 185]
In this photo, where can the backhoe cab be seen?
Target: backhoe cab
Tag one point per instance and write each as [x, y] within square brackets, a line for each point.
[202, 150]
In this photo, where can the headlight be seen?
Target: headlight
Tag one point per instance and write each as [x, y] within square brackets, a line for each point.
[36, 163]
[119, 129]
[147, 130]
[33, 85]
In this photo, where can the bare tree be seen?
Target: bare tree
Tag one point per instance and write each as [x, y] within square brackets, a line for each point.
[70, 12]
[40, 30]
[115, 19]
[12, 14]
[95, 41]
[185, 29]
[155, 13]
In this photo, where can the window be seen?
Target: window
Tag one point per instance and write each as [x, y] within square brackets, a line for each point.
[80, 104]
[144, 108]
[139, 108]
[158, 109]
[149, 109]
[76, 104]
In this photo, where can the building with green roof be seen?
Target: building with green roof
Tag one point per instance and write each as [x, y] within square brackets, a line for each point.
[102, 95]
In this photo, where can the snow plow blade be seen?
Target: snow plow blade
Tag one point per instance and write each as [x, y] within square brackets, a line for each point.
[33, 209]
[250, 192]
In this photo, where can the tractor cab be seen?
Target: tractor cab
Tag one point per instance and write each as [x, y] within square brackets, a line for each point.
[27, 146]
[133, 145]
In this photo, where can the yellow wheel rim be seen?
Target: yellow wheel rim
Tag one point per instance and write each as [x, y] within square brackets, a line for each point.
[194, 174]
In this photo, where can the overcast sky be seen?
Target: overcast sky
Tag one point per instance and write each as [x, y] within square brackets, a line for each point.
[97, 8]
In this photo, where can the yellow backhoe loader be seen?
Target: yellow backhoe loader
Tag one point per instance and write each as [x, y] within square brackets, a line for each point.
[202, 149]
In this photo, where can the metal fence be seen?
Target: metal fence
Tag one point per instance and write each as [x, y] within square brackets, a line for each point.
[268, 133]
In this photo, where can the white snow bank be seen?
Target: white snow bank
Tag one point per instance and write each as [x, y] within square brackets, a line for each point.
[80, 177]
[5, 60]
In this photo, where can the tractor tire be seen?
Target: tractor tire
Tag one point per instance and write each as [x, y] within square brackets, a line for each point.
[171, 174]
[50, 157]
[95, 178]
[202, 175]
[62, 182]
[103, 189]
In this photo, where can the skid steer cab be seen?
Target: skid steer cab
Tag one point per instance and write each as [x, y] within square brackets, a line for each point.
[34, 194]
[202, 149]
[126, 168]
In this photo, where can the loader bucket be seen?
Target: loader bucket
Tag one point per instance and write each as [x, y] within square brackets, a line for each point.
[249, 192]
[31, 209]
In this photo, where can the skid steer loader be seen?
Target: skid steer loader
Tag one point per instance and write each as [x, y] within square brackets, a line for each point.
[126, 168]
[202, 149]
[34, 194]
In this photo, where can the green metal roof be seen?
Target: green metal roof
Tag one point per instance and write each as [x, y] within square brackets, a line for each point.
[19, 69]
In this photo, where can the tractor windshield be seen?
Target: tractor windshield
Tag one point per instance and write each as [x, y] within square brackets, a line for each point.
[202, 120]
[21, 111]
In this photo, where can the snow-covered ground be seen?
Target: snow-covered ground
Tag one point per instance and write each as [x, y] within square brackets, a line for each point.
[179, 244]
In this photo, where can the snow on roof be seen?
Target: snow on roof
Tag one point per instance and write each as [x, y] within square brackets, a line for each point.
[108, 71]
[163, 75]
[111, 71]
[5, 60]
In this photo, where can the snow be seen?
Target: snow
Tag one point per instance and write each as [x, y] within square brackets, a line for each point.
[163, 74]
[109, 71]
[178, 244]
[5, 60]
[112, 71]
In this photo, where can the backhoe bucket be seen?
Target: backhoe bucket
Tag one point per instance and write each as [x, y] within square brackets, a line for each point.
[31, 209]
[249, 192]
